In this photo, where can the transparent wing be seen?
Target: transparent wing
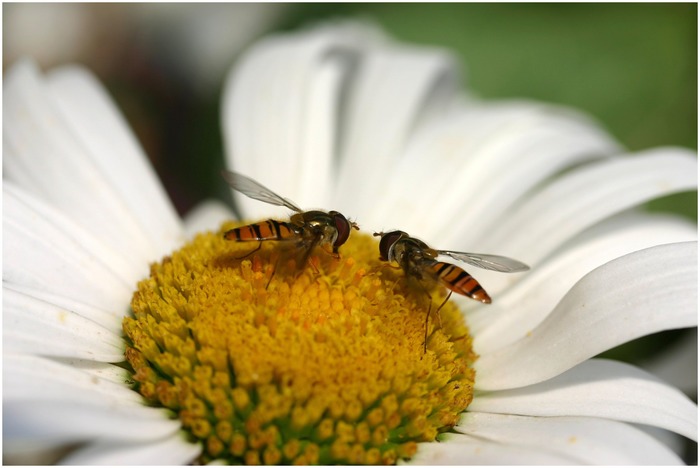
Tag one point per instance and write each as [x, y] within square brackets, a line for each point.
[253, 189]
[487, 262]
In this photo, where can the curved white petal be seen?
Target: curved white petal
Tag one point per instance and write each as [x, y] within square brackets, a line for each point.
[458, 176]
[173, 450]
[310, 101]
[47, 401]
[22, 207]
[36, 327]
[641, 293]
[585, 196]
[111, 319]
[603, 389]
[280, 114]
[101, 370]
[394, 93]
[52, 423]
[31, 378]
[65, 142]
[207, 216]
[524, 305]
[583, 440]
[45, 251]
[460, 449]
[105, 133]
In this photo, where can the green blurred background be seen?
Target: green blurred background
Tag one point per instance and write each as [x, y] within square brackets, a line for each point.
[631, 66]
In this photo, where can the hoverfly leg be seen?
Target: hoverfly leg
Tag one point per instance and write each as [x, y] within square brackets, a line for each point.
[313, 262]
[427, 317]
[274, 270]
[305, 261]
[441, 306]
[307, 253]
[389, 265]
[251, 252]
[378, 269]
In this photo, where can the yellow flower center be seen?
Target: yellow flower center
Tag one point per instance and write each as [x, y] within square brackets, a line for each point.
[264, 362]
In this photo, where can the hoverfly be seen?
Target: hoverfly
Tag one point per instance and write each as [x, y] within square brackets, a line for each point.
[419, 261]
[307, 228]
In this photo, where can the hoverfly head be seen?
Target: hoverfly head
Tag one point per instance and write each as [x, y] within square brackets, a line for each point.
[342, 227]
[387, 242]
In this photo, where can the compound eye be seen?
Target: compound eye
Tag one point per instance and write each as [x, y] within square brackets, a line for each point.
[387, 242]
[342, 225]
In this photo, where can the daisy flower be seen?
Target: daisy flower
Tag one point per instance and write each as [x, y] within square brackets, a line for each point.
[131, 336]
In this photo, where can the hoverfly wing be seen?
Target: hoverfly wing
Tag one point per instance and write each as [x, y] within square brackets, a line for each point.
[487, 261]
[255, 190]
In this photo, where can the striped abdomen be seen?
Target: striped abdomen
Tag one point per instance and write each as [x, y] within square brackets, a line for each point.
[459, 281]
[266, 230]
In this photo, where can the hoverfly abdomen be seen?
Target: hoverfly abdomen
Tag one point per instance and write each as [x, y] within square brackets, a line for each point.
[266, 230]
[459, 281]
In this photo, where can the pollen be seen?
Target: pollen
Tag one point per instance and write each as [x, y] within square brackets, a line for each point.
[268, 361]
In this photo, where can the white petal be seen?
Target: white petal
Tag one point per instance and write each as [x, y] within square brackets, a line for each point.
[33, 378]
[460, 449]
[297, 100]
[280, 114]
[105, 133]
[394, 93]
[526, 304]
[52, 423]
[206, 216]
[641, 293]
[586, 196]
[585, 440]
[65, 142]
[21, 207]
[108, 319]
[101, 370]
[599, 388]
[45, 251]
[173, 450]
[461, 174]
[32, 326]
[49, 402]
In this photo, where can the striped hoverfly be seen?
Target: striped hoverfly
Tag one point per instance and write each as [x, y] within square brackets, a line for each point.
[419, 262]
[309, 229]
